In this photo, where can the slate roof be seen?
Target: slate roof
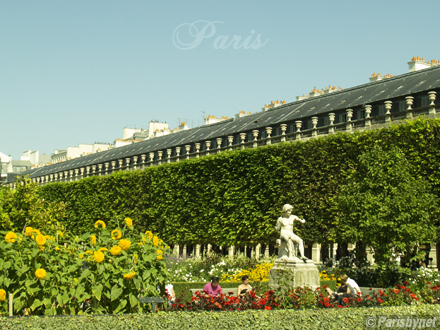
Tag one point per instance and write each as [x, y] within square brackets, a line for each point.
[387, 89]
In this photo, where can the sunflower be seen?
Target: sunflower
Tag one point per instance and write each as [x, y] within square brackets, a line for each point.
[57, 248]
[129, 276]
[124, 244]
[41, 247]
[149, 234]
[89, 252]
[116, 250]
[135, 259]
[93, 239]
[99, 256]
[100, 222]
[2, 295]
[103, 249]
[40, 273]
[116, 234]
[10, 237]
[28, 231]
[155, 241]
[41, 240]
[159, 254]
[81, 255]
[129, 222]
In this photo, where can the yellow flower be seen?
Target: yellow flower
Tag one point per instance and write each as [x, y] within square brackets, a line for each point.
[81, 255]
[41, 247]
[160, 242]
[159, 254]
[129, 222]
[28, 231]
[40, 273]
[129, 276]
[149, 234]
[116, 250]
[103, 249]
[57, 248]
[116, 234]
[75, 279]
[100, 222]
[10, 237]
[89, 252]
[2, 295]
[135, 258]
[41, 240]
[93, 239]
[155, 241]
[36, 231]
[60, 234]
[124, 244]
[99, 256]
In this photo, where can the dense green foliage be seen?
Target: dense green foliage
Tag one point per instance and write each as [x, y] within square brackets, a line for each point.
[234, 198]
[347, 318]
[385, 206]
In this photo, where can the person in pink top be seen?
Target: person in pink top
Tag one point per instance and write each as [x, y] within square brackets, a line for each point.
[212, 288]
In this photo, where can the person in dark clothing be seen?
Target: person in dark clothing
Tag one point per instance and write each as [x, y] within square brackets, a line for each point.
[344, 291]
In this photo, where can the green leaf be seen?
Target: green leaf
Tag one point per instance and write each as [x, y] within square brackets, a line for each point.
[116, 292]
[97, 291]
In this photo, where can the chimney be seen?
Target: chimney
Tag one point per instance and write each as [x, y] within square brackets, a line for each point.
[375, 77]
[418, 63]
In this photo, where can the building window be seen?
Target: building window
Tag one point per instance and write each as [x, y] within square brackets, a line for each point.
[326, 121]
[381, 109]
[425, 101]
[402, 106]
[361, 114]
[342, 118]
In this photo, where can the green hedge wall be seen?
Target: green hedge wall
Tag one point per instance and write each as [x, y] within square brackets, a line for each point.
[347, 318]
[235, 197]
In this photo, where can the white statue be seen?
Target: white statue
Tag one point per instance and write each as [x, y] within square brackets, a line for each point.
[287, 241]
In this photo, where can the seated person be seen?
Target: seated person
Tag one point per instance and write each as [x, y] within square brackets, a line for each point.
[212, 288]
[244, 287]
[354, 285]
[344, 291]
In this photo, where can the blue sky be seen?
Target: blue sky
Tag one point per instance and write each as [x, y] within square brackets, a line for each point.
[79, 71]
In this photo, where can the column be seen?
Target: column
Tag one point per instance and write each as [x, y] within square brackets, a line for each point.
[315, 123]
[219, 144]
[368, 109]
[159, 155]
[135, 160]
[266, 251]
[230, 140]
[113, 165]
[50, 177]
[316, 253]
[242, 138]
[143, 157]
[120, 161]
[269, 133]
[127, 164]
[255, 135]
[184, 251]
[231, 251]
[178, 154]
[169, 155]
[70, 175]
[283, 132]
[388, 105]
[331, 117]
[82, 169]
[197, 150]
[176, 249]
[76, 174]
[151, 156]
[198, 251]
[87, 170]
[187, 148]
[298, 129]
[432, 96]
[106, 165]
[258, 250]
[348, 125]
[100, 169]
[208, 146]
[409, 110]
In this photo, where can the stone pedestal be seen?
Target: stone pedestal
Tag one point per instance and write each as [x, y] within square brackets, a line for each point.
[304, 273]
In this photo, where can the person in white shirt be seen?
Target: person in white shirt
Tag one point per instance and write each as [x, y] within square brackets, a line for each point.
[353, 284]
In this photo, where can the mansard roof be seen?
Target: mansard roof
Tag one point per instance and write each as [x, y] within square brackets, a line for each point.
[387, 89]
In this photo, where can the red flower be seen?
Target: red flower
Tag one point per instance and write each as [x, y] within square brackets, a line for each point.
[379, 300]
[326, 304]
[325, 286]
[346, 300]
[359, 299]
[267, 308]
